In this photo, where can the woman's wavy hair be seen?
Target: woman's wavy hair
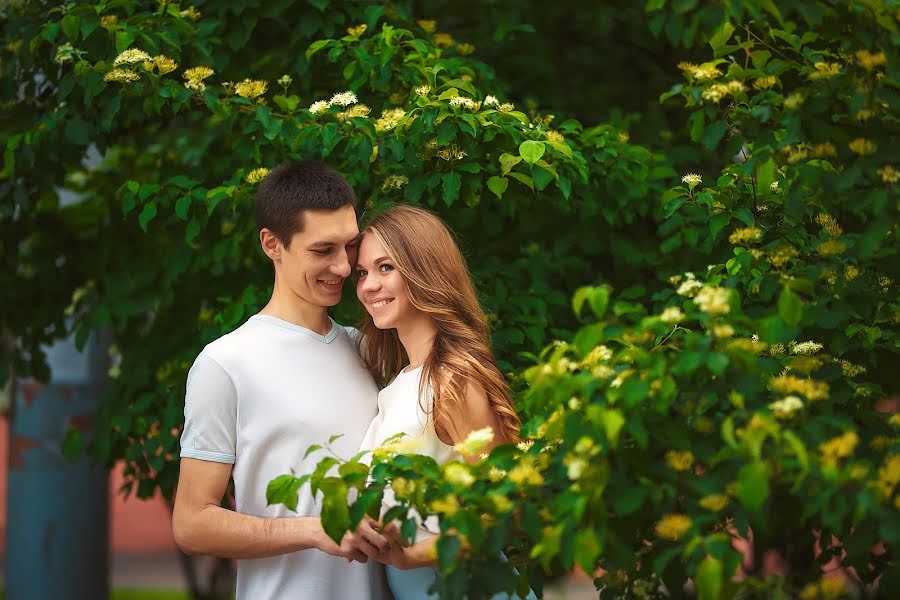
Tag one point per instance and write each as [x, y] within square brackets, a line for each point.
[424, 252]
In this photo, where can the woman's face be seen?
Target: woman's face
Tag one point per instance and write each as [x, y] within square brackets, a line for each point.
[380, 287]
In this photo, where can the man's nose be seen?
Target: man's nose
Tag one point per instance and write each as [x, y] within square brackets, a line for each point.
[342, 266]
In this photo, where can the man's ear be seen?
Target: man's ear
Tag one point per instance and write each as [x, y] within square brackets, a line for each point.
[270, 244]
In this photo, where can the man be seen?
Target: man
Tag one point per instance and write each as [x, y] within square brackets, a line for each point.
[256, 398]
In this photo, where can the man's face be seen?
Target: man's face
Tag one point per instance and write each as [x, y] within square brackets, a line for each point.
[320, 257]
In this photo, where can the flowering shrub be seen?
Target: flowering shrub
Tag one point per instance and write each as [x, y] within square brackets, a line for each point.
[722, 434]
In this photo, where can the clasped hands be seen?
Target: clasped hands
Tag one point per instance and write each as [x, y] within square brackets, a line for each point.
[376, 541]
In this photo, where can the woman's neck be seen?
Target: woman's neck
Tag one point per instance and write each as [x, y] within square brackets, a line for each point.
[417, 337]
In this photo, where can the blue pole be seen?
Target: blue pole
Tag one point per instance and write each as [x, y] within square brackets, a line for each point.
[57, 536]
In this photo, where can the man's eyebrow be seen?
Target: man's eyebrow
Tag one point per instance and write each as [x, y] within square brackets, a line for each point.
[326, 244]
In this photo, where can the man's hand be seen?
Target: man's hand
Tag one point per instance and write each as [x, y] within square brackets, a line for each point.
[360, 545]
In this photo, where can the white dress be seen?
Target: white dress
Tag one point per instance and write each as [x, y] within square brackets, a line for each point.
[401, 410]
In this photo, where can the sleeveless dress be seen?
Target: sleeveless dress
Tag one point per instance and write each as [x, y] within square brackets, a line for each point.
[401, 410]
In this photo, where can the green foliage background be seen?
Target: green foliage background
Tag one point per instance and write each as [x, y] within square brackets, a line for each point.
[659, 420]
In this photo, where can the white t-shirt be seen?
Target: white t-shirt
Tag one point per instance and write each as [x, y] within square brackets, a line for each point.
[401, 410]
[257, 398]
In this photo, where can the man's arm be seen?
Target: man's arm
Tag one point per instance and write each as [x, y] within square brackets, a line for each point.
[201, 526]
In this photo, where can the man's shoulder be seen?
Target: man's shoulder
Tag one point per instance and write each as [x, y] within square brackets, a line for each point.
[233, 343]
[352, 332]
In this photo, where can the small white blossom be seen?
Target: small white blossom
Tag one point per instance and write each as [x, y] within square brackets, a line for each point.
[692, 179]
[786, 407]
[805, 347]
[672, 315]
[491, 101]
[319, 106]
[475, 441]
[344, 99]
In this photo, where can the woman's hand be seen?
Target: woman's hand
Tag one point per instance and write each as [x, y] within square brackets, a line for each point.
[402, 556]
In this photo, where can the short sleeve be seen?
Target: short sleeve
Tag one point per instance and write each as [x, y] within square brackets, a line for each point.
[210, 413]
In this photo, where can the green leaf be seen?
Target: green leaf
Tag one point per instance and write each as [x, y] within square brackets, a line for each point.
[587, 549]
[123, 40]
[498, 185]
[709, 579]
[525, 179]
[73, 444]
[78, 132]
[744, 216]
[330, 138]
[753, 486]
[531, 151]
[354, 474]
[335, 438]
[765, 175]
[612, 421]
[284, 490]
[311, 449]
[713, 134]
[335, 512]
[451, 184]
[147, 214]
[316, 46]
[627, 502]
[216, 195]
[541, 177]
[507, 162]
[414, 189]
[561, 147]
[721, 37]
[183, 206]
[790, 307]
[71, 27]
[596, 297]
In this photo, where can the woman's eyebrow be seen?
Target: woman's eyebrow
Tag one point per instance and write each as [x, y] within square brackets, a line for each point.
[375, 262]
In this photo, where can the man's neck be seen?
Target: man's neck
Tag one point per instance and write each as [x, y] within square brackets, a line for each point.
[287, 306]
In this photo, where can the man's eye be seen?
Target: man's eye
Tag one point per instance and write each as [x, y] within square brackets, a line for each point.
[322, 252]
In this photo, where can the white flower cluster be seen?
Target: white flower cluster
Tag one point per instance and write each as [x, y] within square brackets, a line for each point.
[475, 442]
[786, 407]
[671, 315]
[464, 102]
[805, 347]
[342, 99]
[689, 286]
[713, 300]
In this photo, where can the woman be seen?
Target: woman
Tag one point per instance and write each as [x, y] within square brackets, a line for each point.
[426, 336]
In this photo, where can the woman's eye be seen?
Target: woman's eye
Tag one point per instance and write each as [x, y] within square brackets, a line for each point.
[385, 268]
[361, 273]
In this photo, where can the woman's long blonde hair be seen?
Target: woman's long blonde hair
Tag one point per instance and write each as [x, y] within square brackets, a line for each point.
[425, 254]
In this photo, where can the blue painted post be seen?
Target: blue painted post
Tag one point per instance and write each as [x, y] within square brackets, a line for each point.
[57, 536]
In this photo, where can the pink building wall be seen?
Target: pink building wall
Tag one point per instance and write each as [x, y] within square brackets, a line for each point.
[136, 526]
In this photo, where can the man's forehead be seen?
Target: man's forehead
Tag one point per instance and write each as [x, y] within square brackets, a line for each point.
[329, 226]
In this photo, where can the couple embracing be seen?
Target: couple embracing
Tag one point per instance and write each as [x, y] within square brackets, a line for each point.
[291, 377]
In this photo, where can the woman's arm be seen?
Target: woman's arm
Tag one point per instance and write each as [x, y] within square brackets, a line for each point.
[476, 413]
